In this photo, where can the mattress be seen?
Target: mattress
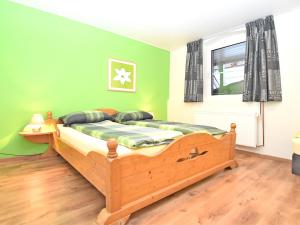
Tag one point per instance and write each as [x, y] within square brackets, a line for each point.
[85, 143]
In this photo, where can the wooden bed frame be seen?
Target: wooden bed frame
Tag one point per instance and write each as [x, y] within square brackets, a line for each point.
[132, 182]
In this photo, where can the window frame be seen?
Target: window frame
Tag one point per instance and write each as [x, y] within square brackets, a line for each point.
[212, 68]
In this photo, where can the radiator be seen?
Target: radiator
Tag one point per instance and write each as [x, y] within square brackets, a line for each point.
[248, 125]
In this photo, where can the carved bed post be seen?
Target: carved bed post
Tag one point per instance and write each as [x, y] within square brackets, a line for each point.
[233, 138]
[232, 126]
[113, 201]
[232, 144]
[113, 185]
[49, 115]
[112, 149]
[50, 127]
[49, 120]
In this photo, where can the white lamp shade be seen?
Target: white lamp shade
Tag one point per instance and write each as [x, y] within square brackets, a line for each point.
[37, 119]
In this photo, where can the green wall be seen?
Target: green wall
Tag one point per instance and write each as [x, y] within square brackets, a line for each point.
[50, 63]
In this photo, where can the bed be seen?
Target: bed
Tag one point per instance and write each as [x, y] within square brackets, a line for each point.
[131, 180]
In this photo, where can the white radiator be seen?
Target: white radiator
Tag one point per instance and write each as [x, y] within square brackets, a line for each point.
[248, 126]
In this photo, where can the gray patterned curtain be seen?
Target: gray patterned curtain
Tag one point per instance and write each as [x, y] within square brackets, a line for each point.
[193, 88]
[262, 74]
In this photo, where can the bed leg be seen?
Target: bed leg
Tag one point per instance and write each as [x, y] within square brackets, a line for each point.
[106, 218]
[122, 221]
[233, 165]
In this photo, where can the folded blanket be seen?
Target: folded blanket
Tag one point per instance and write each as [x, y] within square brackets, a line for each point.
[184, 128]
[129, 136]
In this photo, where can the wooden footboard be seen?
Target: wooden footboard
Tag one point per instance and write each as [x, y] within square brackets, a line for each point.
[132, 182]
[141, 180]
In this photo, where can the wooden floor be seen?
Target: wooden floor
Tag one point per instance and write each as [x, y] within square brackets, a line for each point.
[49, 191]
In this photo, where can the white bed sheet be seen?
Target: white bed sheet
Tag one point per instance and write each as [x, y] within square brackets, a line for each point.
[85, 143]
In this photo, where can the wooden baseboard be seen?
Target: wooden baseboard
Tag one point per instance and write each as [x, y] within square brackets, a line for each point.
[263, 156]
[18, 159]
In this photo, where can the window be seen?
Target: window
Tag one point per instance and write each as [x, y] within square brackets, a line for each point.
[227, 70]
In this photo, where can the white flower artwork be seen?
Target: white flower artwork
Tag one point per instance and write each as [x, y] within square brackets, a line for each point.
[122, 76]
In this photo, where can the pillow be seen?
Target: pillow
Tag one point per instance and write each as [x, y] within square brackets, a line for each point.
[84, 117]
[131, 115]
[297, 134]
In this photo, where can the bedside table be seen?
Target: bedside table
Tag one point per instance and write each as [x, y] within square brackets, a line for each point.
[45, 136]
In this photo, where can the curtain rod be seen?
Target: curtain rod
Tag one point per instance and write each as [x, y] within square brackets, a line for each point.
[237, 29]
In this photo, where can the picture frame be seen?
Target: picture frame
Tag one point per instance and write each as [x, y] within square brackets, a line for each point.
[121, 75]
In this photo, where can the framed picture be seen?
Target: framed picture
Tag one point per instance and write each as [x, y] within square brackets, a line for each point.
[121, 75]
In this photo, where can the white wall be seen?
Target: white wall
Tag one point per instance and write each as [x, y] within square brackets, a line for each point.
[282, 119]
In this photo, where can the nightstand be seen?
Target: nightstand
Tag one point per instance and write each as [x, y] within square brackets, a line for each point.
[296, 156]
[45, 136]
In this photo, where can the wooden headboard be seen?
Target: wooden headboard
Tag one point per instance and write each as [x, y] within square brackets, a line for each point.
[108, 111]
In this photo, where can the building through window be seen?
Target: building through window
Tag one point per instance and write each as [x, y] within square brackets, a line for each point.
[228, 69]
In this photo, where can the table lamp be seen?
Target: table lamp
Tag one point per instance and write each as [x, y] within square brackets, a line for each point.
[36, 122]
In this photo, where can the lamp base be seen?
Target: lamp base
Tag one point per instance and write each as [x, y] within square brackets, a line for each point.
[36, 128]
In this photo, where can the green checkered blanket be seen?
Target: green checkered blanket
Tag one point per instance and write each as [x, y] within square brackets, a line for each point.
[181, 127]
[129, 136]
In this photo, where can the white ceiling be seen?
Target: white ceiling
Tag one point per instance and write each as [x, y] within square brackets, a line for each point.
[167, 24]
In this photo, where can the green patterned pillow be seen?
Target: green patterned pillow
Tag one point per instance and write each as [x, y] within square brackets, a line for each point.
[131, 115]
[297, 134]
[84, 117]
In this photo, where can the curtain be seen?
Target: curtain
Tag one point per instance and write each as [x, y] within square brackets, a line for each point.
[193, 88]
[262, 81]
